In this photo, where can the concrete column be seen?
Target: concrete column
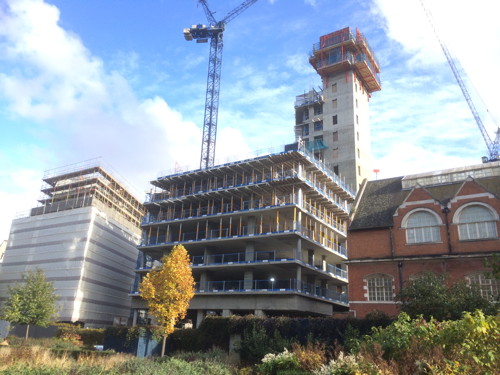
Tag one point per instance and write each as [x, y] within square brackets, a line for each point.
[251, 225]
[298, 223]
[323, 262]
[248, 280]
[200, 315]
[134, 319]
[203, 281]
[259, 313]
[310, 257]
[299, 278]
[226, 313]
[298, 249]
[250, 251]
[300, 198]
[206, 253]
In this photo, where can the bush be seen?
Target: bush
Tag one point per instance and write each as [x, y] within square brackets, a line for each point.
[470, 345]
[274, 364]
[310, 357]
[348, 365]
[87, 336]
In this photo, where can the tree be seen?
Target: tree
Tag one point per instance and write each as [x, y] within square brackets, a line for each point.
[429, 296]
[32, 302]
[168, 290]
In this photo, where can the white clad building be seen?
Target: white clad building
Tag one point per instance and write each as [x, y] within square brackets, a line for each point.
[84, 237]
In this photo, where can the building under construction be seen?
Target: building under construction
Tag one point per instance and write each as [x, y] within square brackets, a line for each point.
[266, 235]
[333, 120]
[83, 235]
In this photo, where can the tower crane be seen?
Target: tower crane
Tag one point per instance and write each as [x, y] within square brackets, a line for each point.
[214, 32]
[492, 145]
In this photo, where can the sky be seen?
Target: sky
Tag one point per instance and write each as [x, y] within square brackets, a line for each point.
[116, 80]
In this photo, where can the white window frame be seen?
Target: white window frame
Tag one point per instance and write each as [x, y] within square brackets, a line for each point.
[428, 233]
[488, 288]
[379, 287]
[472, 230]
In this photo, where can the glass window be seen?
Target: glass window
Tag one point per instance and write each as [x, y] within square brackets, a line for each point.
[334, 87]
[334, 103]
[488, 288]
[335, 136]
[335, 120]
[421, 227]
[379, 288]
[476, 222]
[318, 125]
[306, 129]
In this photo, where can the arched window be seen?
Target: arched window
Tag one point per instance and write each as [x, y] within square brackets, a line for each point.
[475, 222]
[489, 288]
[379, 287]
[422, 226]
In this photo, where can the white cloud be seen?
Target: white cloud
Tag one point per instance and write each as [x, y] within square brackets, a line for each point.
[84, 110]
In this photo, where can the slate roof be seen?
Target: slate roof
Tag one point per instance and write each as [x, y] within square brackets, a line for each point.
[377, 203]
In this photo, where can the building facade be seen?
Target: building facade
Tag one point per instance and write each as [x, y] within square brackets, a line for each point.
[443, 221]
[83, 235]
[266, 235]
[333, 121]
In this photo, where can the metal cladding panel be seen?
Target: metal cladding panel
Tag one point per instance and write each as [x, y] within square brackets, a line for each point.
[89, 258]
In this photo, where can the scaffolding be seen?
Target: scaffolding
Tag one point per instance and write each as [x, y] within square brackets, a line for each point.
[344, 50]
[88, 184]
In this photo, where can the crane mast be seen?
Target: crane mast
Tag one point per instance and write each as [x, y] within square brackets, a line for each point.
[214, 32]
[455, 66]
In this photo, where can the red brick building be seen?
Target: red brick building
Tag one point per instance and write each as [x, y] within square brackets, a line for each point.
[444, 221]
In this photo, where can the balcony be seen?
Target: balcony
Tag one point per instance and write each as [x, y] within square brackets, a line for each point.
[271, 286]
[273, 256]
[242, 232]
[264, 178]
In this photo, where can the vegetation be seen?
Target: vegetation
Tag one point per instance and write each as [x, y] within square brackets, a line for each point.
[429, 296]
[168, 290]
[470, 345]
[32, 302]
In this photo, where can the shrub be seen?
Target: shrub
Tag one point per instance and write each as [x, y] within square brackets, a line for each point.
[348, 365]
[311, 356]
[257, 342]
[273, 364]
[470, 345]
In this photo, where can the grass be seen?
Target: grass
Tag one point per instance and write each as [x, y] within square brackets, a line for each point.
[45, 357]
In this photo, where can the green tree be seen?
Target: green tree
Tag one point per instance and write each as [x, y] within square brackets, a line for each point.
[168, 290]
[32, 302]
[430, 296]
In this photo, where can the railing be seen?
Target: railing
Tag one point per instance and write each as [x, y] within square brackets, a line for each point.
[260, 178]
[320, 215]
[309, 178]
[243, 232]
[260, 257]
[363, 58]
[273, 286]
[205, 211]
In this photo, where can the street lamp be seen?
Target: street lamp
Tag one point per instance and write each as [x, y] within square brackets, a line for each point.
[272, 282]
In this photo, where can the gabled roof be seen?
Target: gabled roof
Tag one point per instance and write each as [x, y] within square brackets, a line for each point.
[379, 200]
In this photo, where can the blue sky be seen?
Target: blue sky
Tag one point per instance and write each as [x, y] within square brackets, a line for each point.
[115, 79]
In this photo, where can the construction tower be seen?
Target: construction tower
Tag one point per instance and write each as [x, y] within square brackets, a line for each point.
[333, 121]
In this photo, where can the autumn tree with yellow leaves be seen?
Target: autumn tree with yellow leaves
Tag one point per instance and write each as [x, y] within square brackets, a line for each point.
[168, 290]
